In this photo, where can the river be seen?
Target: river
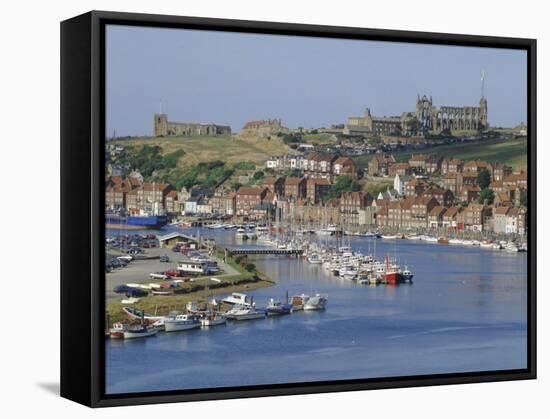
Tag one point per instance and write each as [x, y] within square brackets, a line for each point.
[466, 311]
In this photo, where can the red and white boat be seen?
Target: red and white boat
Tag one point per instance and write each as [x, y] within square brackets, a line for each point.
[118, 329]
[393, 274]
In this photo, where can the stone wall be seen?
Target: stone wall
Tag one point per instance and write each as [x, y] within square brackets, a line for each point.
[165, 128]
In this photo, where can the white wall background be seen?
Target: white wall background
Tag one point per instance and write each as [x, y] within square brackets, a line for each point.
[29, 209]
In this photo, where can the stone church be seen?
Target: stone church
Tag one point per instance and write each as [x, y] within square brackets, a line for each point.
[164, 128]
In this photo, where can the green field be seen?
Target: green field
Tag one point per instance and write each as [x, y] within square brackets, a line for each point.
[230, 149]
[511, 152]
[319, 139]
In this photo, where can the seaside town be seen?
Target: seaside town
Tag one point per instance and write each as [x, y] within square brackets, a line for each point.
[311, 212]
[321, 185]
[428, 192]
[307, 203]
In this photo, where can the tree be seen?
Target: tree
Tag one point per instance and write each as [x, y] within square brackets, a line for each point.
[258, 175]
[343, 184]
[483, 179]
[464, 204]
[250, 267]
[487, 196]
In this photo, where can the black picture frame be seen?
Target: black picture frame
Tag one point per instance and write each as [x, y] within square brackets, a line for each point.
[82, 204]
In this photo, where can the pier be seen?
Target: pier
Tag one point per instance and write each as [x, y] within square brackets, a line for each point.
[256, 251]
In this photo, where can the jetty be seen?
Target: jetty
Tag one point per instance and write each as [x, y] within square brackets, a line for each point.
[263, 251]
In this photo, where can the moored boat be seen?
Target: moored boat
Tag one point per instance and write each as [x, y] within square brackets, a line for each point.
[275, 308]
[298, 301]
[407, 275]
[177, 322]
[118, 329]
[213, 319]
[316, 302]
[137, 332]
[244, 313]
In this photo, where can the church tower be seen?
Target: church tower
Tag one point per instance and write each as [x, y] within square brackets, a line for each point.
[160, 125]
[483, 119]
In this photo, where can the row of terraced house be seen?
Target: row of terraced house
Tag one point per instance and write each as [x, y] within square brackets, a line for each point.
[315, 165]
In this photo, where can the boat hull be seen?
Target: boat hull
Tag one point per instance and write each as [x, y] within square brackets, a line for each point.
[394, 278]
[213, 322]
[180, 326]
[248, 316]
[135, 222]
[138, 335]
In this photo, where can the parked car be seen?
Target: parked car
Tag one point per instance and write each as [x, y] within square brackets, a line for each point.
[136, 292]
[164, 258]
[122, 289]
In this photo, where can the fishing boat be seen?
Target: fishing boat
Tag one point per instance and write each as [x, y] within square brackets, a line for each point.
[275, 308]
[240, 312]
[118, 329]
[298, 301]
[393, 274]
[316, 302]
[443, 240]
[177, 322]
[213, 318]
[136, 332]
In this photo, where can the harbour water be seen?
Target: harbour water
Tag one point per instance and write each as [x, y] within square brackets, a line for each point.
[466, 311]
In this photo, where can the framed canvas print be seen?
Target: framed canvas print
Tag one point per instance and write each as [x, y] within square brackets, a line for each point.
[254, 208]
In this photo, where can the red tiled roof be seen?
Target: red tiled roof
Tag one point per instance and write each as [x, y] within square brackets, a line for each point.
[250, 191]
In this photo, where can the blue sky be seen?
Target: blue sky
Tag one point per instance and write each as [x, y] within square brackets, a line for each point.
[231, 78]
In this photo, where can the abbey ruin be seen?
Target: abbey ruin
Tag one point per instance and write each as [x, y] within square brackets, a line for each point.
[165, 128]
[426, 119]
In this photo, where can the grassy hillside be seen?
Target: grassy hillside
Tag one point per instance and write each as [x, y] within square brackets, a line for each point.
[512, 152]
[229, 149]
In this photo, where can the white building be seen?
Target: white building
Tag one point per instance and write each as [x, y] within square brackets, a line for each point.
[511, 225]
[191, 205]
[399, 183]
